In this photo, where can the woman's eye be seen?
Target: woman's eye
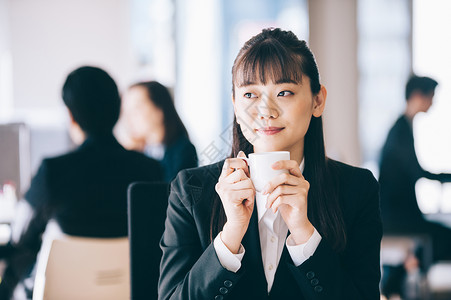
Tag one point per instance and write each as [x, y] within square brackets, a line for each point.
[249, 95]
[284, 93]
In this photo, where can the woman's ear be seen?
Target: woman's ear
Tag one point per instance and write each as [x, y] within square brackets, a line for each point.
[319, 102]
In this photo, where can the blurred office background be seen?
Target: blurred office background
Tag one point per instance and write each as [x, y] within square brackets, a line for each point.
[365, 49]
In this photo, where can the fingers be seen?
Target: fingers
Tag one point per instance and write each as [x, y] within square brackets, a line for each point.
[294, 177]
[234, 177]
[281, 190]
[241, 154]
[291, 165]
[280, 179]
[243, 184]
[231, 164]
[236, 197]
[234, 182]
[289, 187]
[247, 194]
[290, 200]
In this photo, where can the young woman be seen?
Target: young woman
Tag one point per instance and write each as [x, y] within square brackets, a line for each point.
[155, 128]
[311, 234]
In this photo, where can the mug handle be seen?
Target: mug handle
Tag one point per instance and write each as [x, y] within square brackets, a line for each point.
[246, 159]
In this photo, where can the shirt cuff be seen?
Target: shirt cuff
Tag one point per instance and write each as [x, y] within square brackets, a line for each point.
[228, 260]
[300, 253]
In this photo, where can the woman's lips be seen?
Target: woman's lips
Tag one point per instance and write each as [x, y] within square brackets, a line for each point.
[269, 130]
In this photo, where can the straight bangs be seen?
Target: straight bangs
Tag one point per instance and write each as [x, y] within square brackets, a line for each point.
[267, 62]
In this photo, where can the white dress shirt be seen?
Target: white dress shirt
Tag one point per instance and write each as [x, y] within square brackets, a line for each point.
[156, 151]
[273, 236]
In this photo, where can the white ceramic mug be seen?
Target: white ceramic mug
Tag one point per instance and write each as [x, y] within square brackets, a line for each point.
[260, 167]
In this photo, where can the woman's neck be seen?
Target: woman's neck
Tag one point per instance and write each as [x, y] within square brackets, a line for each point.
[297, 158]
[156, 136]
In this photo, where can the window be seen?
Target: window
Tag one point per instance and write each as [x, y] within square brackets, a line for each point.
[431, 47]
[384, 65]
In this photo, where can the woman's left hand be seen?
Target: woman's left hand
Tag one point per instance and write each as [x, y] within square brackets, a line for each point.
[288, 193]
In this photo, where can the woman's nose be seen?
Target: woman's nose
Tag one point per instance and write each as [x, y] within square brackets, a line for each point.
[267, 109]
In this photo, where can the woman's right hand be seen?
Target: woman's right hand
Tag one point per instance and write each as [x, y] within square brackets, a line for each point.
[237, 194]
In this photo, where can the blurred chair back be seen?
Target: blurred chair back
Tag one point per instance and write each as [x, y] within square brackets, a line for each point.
[84, 268]
[147, 204]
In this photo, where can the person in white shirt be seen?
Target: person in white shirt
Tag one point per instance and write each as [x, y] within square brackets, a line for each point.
[313, 233]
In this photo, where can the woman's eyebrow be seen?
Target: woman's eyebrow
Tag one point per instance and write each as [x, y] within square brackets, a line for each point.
[280, 81]
[284, 80]
[246, 84]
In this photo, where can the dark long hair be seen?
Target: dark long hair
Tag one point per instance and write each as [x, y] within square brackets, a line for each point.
[162, 99]
[280, 56]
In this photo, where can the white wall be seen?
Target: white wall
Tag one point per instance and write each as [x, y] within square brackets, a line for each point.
[41, 41]
[198, 92]
[50, 38]
[333, 40]
[6, 102]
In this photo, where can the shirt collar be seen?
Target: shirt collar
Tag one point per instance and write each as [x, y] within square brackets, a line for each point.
[261, 199]
[100, 141]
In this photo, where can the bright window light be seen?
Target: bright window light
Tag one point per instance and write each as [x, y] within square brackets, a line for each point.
[431, 48]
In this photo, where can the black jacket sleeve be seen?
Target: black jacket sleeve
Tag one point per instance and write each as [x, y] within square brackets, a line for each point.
[403, 148]
[187, 271]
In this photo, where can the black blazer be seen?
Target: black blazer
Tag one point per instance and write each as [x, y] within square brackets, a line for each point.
[399, 171]
[85, 191]
[190, 268]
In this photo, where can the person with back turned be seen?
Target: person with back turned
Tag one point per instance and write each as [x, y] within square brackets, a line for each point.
[85, 190]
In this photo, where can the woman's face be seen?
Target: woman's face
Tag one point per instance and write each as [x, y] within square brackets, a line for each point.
[276, 116]
[141, 115]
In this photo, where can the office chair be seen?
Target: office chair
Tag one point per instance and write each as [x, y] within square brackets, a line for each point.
[147, 204]
[84, 268]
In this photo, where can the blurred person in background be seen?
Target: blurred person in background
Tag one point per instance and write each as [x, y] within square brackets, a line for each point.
[153, 126]
[85, 190]
[399, 171]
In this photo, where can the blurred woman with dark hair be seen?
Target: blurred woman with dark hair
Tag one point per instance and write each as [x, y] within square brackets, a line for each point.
[154, 127]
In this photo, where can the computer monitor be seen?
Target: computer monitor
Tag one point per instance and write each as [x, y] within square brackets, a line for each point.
[15, 156]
